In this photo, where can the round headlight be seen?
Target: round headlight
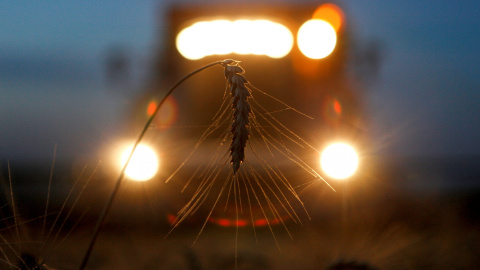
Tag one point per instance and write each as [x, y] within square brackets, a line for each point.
[339, 161]
[143, 165]
[316, 39]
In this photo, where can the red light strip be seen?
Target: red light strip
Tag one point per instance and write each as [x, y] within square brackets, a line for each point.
[225, 222]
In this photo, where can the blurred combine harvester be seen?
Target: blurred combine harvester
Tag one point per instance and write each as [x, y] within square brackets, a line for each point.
[302, 54]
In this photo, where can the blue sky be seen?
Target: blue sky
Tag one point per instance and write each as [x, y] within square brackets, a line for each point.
[52, 91]
[51, 72]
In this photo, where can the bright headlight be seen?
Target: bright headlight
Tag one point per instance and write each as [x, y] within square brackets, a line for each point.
[260, 37]
[339, 161]
[316, 39]
[143, 165]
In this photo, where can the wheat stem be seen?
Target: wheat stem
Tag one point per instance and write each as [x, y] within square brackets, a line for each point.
[108, 204]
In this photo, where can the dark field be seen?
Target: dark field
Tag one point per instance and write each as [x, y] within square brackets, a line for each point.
[409, 214]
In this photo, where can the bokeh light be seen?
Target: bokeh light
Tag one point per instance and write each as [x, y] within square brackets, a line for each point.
[331, 110]
[330, 13]
[143, 165]
[259, 37]
[316, 39]
[152, 106]
[339, 160]
[168, 113]
[337, 107]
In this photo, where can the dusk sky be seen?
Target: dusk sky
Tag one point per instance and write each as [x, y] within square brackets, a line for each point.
[425, 101]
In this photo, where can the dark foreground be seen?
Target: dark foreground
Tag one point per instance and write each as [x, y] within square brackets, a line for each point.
[385, 220]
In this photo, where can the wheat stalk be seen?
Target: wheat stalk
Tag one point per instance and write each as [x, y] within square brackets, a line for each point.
[240, 131]
[109, 202]
[241, 112]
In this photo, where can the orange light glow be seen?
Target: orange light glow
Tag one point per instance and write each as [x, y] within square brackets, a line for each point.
[224, 222]
[337, 107]
[261, 222]
[241, 223]
[330, 13]
[332, 110]
[168, 112]
[151, 108]
[171, 219]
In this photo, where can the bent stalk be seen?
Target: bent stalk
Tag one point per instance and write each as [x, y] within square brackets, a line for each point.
[108, 204]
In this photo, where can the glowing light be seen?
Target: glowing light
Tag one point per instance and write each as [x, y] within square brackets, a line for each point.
[225, 222]
[339, 161]
[143, 165]
[151, 108]
[330, 13]
[337, 107]
[259, 37]
[331, 110]
[241, 223]
[167, 115]
[316, 39]
[261, 222]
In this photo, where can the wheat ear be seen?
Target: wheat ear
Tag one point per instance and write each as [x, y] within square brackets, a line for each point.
[241, 112]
